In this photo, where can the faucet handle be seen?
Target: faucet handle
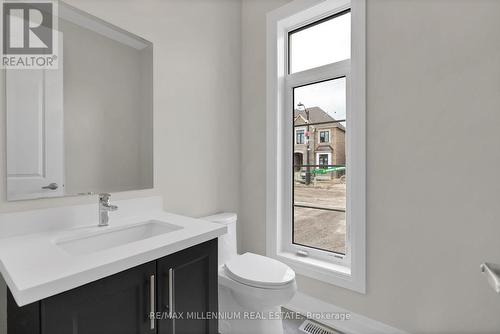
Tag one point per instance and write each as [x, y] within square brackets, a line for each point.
[104, 197]
[104, 202]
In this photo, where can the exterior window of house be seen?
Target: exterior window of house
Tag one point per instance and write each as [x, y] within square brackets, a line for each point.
[299, 136]
[316, 95]
[324, 136]
[323, 160]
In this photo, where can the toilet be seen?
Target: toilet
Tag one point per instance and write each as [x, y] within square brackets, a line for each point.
[252, 288]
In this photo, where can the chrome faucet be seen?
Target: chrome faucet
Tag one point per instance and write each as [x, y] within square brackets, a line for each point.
[104, 208]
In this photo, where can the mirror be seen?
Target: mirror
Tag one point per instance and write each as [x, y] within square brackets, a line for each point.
[87, 126]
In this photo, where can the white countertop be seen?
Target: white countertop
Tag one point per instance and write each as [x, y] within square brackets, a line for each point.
[35, 267]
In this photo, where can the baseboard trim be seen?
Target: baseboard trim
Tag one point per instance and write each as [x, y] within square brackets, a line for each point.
[357, 324]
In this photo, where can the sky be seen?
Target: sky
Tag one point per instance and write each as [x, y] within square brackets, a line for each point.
[328, 95]
[322, 44]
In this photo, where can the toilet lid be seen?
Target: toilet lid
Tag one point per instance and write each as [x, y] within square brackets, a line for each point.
[259, 271]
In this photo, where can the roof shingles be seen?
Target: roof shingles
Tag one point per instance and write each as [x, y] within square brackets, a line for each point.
[316, 115]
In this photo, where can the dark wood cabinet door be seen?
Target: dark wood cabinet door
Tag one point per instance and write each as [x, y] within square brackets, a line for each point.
[22, 320]
[119, 304]
[188, 287]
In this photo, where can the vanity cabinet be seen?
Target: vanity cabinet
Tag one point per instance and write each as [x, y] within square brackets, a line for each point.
[184, 283]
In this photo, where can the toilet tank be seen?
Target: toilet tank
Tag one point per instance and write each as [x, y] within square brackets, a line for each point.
[227, 242]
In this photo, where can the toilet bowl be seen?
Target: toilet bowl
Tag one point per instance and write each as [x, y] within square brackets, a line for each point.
[252, 288]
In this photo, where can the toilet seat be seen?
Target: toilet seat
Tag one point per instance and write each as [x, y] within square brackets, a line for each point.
[259, 271]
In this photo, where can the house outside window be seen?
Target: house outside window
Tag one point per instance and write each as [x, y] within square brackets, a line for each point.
[335, 150]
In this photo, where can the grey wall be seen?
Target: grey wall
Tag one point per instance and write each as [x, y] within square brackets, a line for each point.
[433, 101]
[252, 215]
[197, 102]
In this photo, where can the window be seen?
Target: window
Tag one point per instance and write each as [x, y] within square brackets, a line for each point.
[323, 160]
[316, 139]
[308, 47]
[299, 136]
[324, 136]
[319, 195]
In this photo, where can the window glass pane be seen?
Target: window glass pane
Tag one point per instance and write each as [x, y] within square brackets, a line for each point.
[323, 43]
[326, 101]
[327, 189]
[321, 229]
[299, 137]
[323, 160]
[324, 136]
[319, 185]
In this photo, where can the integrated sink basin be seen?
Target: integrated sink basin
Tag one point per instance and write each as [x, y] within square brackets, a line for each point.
[115, 237]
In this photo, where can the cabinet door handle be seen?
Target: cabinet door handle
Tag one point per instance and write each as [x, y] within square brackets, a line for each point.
[171, 299]
[152, 301]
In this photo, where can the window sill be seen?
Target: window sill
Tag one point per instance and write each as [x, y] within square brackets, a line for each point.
[327, 272]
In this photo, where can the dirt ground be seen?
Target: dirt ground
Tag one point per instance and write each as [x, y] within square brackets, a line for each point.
[320, 228]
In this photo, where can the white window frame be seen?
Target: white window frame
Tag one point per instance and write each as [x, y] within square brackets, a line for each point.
[348, 271]
[329, 136]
